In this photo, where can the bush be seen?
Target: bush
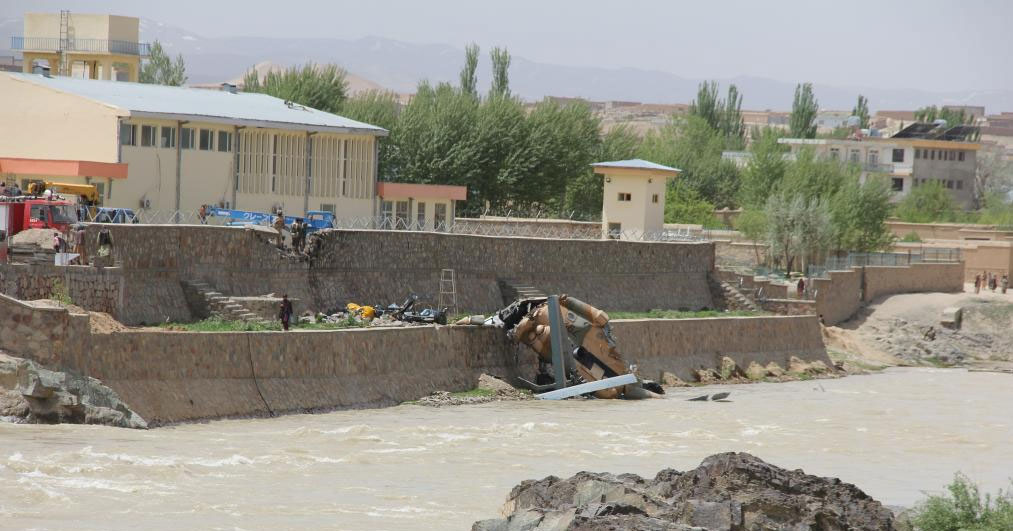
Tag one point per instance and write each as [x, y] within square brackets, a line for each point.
[911, 237]
[964, 509]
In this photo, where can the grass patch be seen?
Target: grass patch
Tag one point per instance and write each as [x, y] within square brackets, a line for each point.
[964, 507]
[678, 314]
[217, 324]
[936, 362]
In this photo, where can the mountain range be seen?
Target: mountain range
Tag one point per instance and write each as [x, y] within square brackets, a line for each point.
[399, 66]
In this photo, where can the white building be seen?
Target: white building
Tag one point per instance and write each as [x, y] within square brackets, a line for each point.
[634, 196]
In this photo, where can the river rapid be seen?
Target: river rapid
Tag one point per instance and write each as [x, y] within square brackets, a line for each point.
[896, 435]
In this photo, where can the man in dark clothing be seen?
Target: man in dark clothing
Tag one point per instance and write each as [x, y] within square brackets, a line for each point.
[285, 311]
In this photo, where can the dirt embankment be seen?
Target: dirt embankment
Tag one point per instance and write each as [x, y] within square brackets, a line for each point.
[907, 330]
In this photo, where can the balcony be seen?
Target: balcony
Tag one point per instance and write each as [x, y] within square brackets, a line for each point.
[52, 44]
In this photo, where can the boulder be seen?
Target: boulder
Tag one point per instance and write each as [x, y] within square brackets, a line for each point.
[727, 491]
[671, 380]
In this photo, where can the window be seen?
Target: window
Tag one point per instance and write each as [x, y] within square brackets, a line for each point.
[952, 155]
[625, 197]
[206, 139]
[402, 214]
[148, 133]
[440, 216]
[100, 189]
[615, 231]
[386, 213]
[128, 135]
[932, 154]
[949, 184]
[835, 154]
[854, 156]
[327, 207]
[897, 184]
[224, 141]
[898, 155]
[918, 153]
[168, 137]
[420, 214]
[960, 156]
[873, 157]
[186, 138]
[654, 198]
[960, 185]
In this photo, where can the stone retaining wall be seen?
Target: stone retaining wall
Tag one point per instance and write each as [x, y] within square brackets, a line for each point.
[558, 228]
[380, 267]
[92, 288]
[178, 376]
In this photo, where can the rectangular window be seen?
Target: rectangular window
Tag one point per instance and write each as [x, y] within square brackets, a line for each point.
[148, 133]
[440, 216]
[625, 197]
[615, 231]
[128, 135]
[100, 189]
[420, 214]
[897, 184]
[960, 185]
[960, 156]
[654, 198]
[402, 214]
[206, 139]
[327, 207]
[918, 153]
[168, 137]
[186, 138]
[387, 214]
[949, 185]
[898, 155]
[932, 154]
[873, 157]
[224, 141]
[854, 156]
[835, 154]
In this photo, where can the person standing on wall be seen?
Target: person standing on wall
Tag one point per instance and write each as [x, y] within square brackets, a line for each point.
[279, 225]
[977, 284]
[1004, 283]
[800, 287]
[285, 311]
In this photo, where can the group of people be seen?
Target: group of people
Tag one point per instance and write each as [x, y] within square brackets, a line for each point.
[299, 230]
[75, 242]
[990, 281]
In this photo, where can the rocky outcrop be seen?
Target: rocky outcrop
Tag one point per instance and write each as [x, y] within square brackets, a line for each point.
[31, 393]
[729, 491]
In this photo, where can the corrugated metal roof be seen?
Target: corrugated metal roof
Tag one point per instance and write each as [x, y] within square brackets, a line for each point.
[637, 164]
[160, 101]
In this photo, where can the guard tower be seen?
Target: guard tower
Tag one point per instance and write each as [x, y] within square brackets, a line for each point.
[88, 46]
[634, 201]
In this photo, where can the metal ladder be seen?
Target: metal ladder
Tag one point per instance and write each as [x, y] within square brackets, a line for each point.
[448, 291]
[63, 68]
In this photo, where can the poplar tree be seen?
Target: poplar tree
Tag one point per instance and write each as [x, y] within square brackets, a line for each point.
[861, 110]
[162, 70]
[802, 123]
[469, 80]
[500, 72]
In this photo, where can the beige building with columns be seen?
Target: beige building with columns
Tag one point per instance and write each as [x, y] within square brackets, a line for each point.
[82, 45]
[634, 197]
[186, 147]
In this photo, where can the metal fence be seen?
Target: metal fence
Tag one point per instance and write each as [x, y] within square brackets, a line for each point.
[913, 256]
[530, 230]
[53, 44]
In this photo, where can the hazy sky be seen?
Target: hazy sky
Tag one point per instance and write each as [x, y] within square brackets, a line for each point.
[929, 44]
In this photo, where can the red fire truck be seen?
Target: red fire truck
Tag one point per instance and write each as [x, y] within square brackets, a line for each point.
[27, 212]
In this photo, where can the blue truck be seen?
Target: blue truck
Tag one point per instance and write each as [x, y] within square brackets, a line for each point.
[315, 219]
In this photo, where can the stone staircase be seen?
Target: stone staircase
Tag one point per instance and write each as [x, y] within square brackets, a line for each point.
[205, 302]
[513, 289]
[737, 299]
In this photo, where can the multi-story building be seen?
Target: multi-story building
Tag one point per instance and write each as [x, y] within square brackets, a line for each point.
[918, 154]
[79, 45]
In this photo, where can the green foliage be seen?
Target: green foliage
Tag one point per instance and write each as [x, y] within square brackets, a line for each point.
[766, 167]
[561, 141]
[965, 508]
[321, 87]
[952, 116]
[911, 237]
[159, 69]
[722, 115]
[60, 293]
[997, 211]
[692, 145]
[684, 205]
[752, 223]
[584, 192]
[928, 202]
[679, 314]
[859, 213]
[500, 73]
[469, 78]
[218, 324]
[802, 123]
[861, 110]
[797, 228]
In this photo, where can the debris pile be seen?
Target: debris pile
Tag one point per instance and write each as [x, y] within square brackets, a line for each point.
[727, 491]
[489, 389]
[394, 315]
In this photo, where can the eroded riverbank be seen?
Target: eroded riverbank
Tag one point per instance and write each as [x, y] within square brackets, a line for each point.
[894, 435]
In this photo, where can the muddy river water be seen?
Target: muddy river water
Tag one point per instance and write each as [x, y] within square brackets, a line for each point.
[895, 435]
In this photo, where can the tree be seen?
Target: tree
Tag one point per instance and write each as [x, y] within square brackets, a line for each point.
[321, 87]
[500, 72]
[861, 110]
[563, 141]
[469, 79]
[765, 170]
[684, 205]
[379, 108]
[802, 123]
[722, 115]
[584, 192]
[927, 203]
[752, 223]
[161, 70]
[797, 228]
[993, 175]
[859, 213]
[816, 178]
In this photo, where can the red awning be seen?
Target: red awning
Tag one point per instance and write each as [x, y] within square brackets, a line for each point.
[63, 168]
[425, 191]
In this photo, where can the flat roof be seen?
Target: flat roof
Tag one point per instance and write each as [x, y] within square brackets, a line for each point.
[438, 191]
[636, 164]
[145, 100]
[63, 168]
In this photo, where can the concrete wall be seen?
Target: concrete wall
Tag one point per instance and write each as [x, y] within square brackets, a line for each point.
[91, 288]
[178, 376]
[380, 267]
[731, 253]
